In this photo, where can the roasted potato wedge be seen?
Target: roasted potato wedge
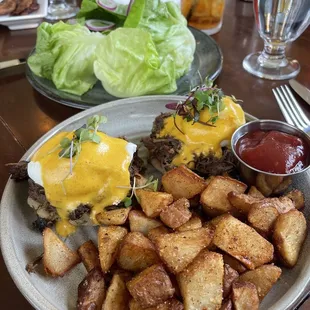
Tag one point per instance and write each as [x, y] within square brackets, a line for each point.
[262, 218]
[117, 297]
[268, 184]
[289, 234]
[136, 252]
[242, 242]
[242, 202]
[297, 197]
[201, 282]
[170, 304]
[151, 287]
[255, 193]
[91, 291]
[176, 214]
[113, 217]
[230, 275]
[214, 197]
[193, 223]
[178, 249]
[181, 182]
[109, 240]
[139, 222]
[89, 255]
[57, 257]
[158, 231]
[152, 203]
[227, 305]
[263, 278]
[234, 263]
[244, 296]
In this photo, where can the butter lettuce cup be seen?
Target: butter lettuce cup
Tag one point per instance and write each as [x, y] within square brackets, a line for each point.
[270, 153]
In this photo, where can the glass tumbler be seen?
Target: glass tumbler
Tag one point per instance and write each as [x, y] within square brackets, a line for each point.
[279, 22]
[60, 9]
[206, 15]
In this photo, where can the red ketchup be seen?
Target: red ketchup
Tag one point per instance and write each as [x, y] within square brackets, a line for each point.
[273, 151]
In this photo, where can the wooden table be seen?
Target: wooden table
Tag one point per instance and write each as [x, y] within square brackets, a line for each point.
[25, 115]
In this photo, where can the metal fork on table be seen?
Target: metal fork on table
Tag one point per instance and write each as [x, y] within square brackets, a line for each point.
[290, 108]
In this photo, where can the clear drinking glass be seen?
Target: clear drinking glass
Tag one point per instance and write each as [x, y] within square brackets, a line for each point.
[278, 22]
[60, 9]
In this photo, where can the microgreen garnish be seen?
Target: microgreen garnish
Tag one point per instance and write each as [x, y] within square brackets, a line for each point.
[202, 97]
[72, 147]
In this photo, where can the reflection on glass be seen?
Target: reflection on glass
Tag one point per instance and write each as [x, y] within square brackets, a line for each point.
[60, 9]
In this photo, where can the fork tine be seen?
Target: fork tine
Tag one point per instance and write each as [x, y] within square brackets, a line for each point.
[297, 106]
[286, 113]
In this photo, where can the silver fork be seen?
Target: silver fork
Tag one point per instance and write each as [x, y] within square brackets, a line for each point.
[290, 108]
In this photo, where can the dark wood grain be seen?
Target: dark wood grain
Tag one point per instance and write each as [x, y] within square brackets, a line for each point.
[25, 115]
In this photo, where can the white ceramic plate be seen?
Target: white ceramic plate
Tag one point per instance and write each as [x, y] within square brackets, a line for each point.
[133, 118]
[32, 20]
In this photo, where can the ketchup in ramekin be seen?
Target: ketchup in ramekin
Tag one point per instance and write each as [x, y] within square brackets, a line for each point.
[273, 151]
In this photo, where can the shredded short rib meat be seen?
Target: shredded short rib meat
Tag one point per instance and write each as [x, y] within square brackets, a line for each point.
[18, 171]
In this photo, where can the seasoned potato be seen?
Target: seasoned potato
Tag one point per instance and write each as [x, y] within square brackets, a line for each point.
[176, 214]
[297, 197]
[242, 202]
[289, 234]
[262, 185]
[57, 257]
[242, 242]
[262, 218]
[230, 275]
[109, 240]
[201, 282]
[263, 278]
[152, 203]
[254, 192]
[158, 231]
[89, 255]
[244, 296]
[268, 184]
[113, 217]
[151, 287]
[91, 291]
[117, 297]
[227, 305]
[234, 263]
[178, 249]
[170, 304]
[193, 223]
[138, 221]
[214, 197]
[181, 182]
[136, 252]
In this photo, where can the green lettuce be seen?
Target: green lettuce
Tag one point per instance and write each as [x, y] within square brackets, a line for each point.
[128, 64]
[65, 54]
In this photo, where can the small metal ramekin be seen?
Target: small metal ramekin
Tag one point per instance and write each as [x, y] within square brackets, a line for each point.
[255, 176]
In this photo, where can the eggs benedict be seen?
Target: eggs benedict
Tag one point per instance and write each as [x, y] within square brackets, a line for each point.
[198, 134]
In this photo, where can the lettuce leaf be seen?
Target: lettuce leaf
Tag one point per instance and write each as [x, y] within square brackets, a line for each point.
[65, 54]
[128, 65]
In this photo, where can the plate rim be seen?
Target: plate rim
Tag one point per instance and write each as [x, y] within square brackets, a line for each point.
[84, 106]
[25, 286]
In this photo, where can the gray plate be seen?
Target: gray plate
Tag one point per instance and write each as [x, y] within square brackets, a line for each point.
[208, 60]
[132, 117]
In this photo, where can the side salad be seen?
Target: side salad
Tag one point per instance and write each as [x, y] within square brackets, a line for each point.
[136, 48]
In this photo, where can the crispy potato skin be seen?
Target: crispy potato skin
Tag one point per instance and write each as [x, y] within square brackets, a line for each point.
[263, 278]
[170, 304]
[176, 214]
[244, 296]
[152, 203]
[214, 198]
[242, 202]
[109, 240]
[230, 275]
[227, 305]
[181, 182]
[138, 221]
[89, 255]
[202, 281]
[297, 197]
[193, 223]
[151, 287]
[178, 249]
[242, 242]
[113, 217]
[289, 234]
[91, 291]
[234, 263]
[57, 258]
[254, 192]
[136, 252]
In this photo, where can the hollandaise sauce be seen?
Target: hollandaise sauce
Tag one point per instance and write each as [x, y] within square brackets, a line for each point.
[200, 139]
[97, 172]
